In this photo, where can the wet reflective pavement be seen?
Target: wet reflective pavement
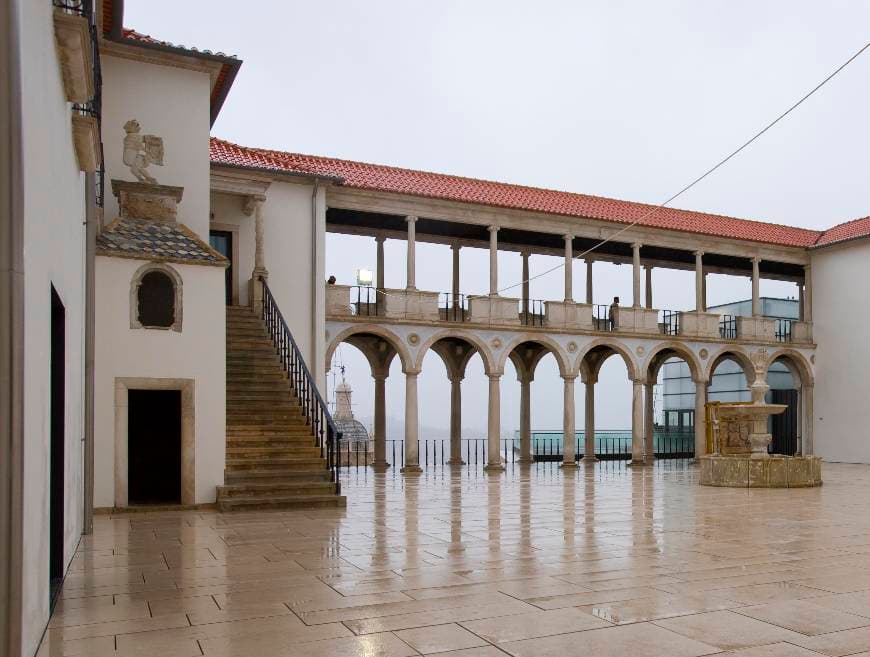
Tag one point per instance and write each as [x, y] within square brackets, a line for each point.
[538, 561]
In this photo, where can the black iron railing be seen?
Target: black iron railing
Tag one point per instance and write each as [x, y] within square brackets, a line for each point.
[532, 312]
[314, 409]
[364, 301]
[670, 322]
[728, 327]
[601, 320]
[453, 307]
[782, 330]
[77, 7]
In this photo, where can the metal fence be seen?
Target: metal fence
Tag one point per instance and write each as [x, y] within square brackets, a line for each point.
[532, 312]
[728, 327]
[782, 330]
[601, 318]
[453, 307]
[669, 324]
[546, 446]
[364, 301]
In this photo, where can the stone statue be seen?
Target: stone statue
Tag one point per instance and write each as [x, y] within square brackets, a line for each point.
[140, 151]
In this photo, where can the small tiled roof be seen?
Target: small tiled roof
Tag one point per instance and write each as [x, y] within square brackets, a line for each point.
[156, 240]
[377, 177]
[851, 230]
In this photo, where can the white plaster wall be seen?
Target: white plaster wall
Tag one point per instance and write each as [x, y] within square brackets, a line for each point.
[841, 326]
[171, 103]
[226, 209]
[198, 352]
[54, 210]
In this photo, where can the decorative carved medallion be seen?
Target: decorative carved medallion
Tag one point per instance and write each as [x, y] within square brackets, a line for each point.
[413, 338]
[495, 343]
[703, 354]
[572, 347]
[640, 351]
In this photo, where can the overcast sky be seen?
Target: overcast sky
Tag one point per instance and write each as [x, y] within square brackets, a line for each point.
[624, 99]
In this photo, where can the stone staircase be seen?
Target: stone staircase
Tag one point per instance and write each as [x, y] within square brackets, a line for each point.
[272, 459]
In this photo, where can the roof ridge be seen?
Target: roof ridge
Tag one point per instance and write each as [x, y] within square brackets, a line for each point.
[280, 154]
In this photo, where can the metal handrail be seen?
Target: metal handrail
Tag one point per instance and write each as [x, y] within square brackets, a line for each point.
[314, 409]
[782, 330]
[728, 327]
[532, 312]
[601, 319]
[453, 307]
[670, 323]
[366, 303]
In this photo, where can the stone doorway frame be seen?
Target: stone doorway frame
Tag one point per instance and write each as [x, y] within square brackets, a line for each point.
[188, 433]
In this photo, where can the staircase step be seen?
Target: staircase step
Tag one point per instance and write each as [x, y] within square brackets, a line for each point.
[277, 503]
[276, 463]
[293, 488]
[279, 451]
[277, 476]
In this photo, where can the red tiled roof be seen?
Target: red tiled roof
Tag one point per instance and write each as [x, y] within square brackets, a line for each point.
[846, 231]
[377, 177]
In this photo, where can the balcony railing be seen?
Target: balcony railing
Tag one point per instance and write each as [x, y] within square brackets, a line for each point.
[532, 312]
[669, 322]
[728, 327]
[783, 329]
[364, 301]
[601, 320]
[453, 307]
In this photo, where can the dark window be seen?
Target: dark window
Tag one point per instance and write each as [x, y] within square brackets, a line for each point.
[156, 300]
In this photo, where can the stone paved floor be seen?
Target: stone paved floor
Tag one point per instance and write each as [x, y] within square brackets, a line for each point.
[612, 562]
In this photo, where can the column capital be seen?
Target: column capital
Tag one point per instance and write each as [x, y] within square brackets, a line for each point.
[252, 202]
[457, 378]
[568, 237]
[808, 267]
[380, 239]
[648, 266]
[640, 381]
[568, 377]
[698, 254]
[589, 379]
[636, 245]
[755, 260]
[411, 373]
[492, 229]
[495, 376]
[456, 246]
[411, 219]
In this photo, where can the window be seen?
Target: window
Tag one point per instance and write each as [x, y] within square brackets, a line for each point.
[155, 298]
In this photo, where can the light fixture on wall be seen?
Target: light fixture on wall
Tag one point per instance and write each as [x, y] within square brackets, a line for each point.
[364, 277]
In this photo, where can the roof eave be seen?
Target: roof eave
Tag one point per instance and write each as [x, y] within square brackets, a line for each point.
[338, 180]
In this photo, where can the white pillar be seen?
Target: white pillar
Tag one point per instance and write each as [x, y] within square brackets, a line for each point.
[455, 248]
[380, 428]
[635, 257]
[493, 261]
[569, 269]
[648, 287]
[456, 421]
[807, 406]
[493, 460]
[637, 423]
[801, 302]
[525, 288]
[589, 281]
[569, 430]
[649, 453]
[412, 240]
[525, 420]
[589, 423]
[412, 425]
[700, 418]
[254, 206]
[379, 240]
[808, 293]
[700, 301]
[756, 298]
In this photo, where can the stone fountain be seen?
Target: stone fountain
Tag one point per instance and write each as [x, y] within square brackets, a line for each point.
[740, 443]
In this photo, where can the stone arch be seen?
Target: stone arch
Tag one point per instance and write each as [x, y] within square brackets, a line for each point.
[738, 356]
[548, 344]
[795, 361]
[372, 329]
[661, 352]
[614, 346]
[175, 278]
[489, 364]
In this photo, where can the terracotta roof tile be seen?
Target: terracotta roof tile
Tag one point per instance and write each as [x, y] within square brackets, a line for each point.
[377, 177]
[849, 230]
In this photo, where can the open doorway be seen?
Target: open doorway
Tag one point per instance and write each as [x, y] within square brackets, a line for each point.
[154, 446]
[57, 413]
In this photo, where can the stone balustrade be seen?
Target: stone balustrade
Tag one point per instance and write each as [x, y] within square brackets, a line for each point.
[635, 320]
[567, 315]
[756, 329]
[503, 311]
[699, 325]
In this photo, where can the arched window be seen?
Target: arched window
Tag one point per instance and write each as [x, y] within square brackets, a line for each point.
[155, 300]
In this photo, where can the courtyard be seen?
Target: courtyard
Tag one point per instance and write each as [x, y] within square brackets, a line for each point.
[604, 560]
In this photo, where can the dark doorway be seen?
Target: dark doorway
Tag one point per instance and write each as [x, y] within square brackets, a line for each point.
[56, 463]
[154, 447]
[784, 427]
[222, 242]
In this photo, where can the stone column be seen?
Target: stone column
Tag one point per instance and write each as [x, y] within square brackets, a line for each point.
[589, 262]
[380, 428]
[649, 452]
[380, 239]
[568, 423]
[808, 293]
[635, 258]
[525, 255]
[493, 261]
[801, 302]
[493, 460]
[253, 205]
[700, 301]
[808, 448]
[412, 265]
[637, 423]
[648, 286]
[455, 421]
[569, 269]
[589, 428]
[700, 418]
[756, 298]
[455, 248]
[525, 419]
[412, 425]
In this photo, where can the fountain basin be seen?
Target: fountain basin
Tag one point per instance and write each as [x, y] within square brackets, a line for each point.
[773, 471]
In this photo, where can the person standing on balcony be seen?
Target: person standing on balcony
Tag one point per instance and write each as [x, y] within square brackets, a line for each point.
[613, 307]
[331, 280]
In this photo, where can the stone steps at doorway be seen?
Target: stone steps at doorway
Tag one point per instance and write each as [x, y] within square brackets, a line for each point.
[273, 461]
